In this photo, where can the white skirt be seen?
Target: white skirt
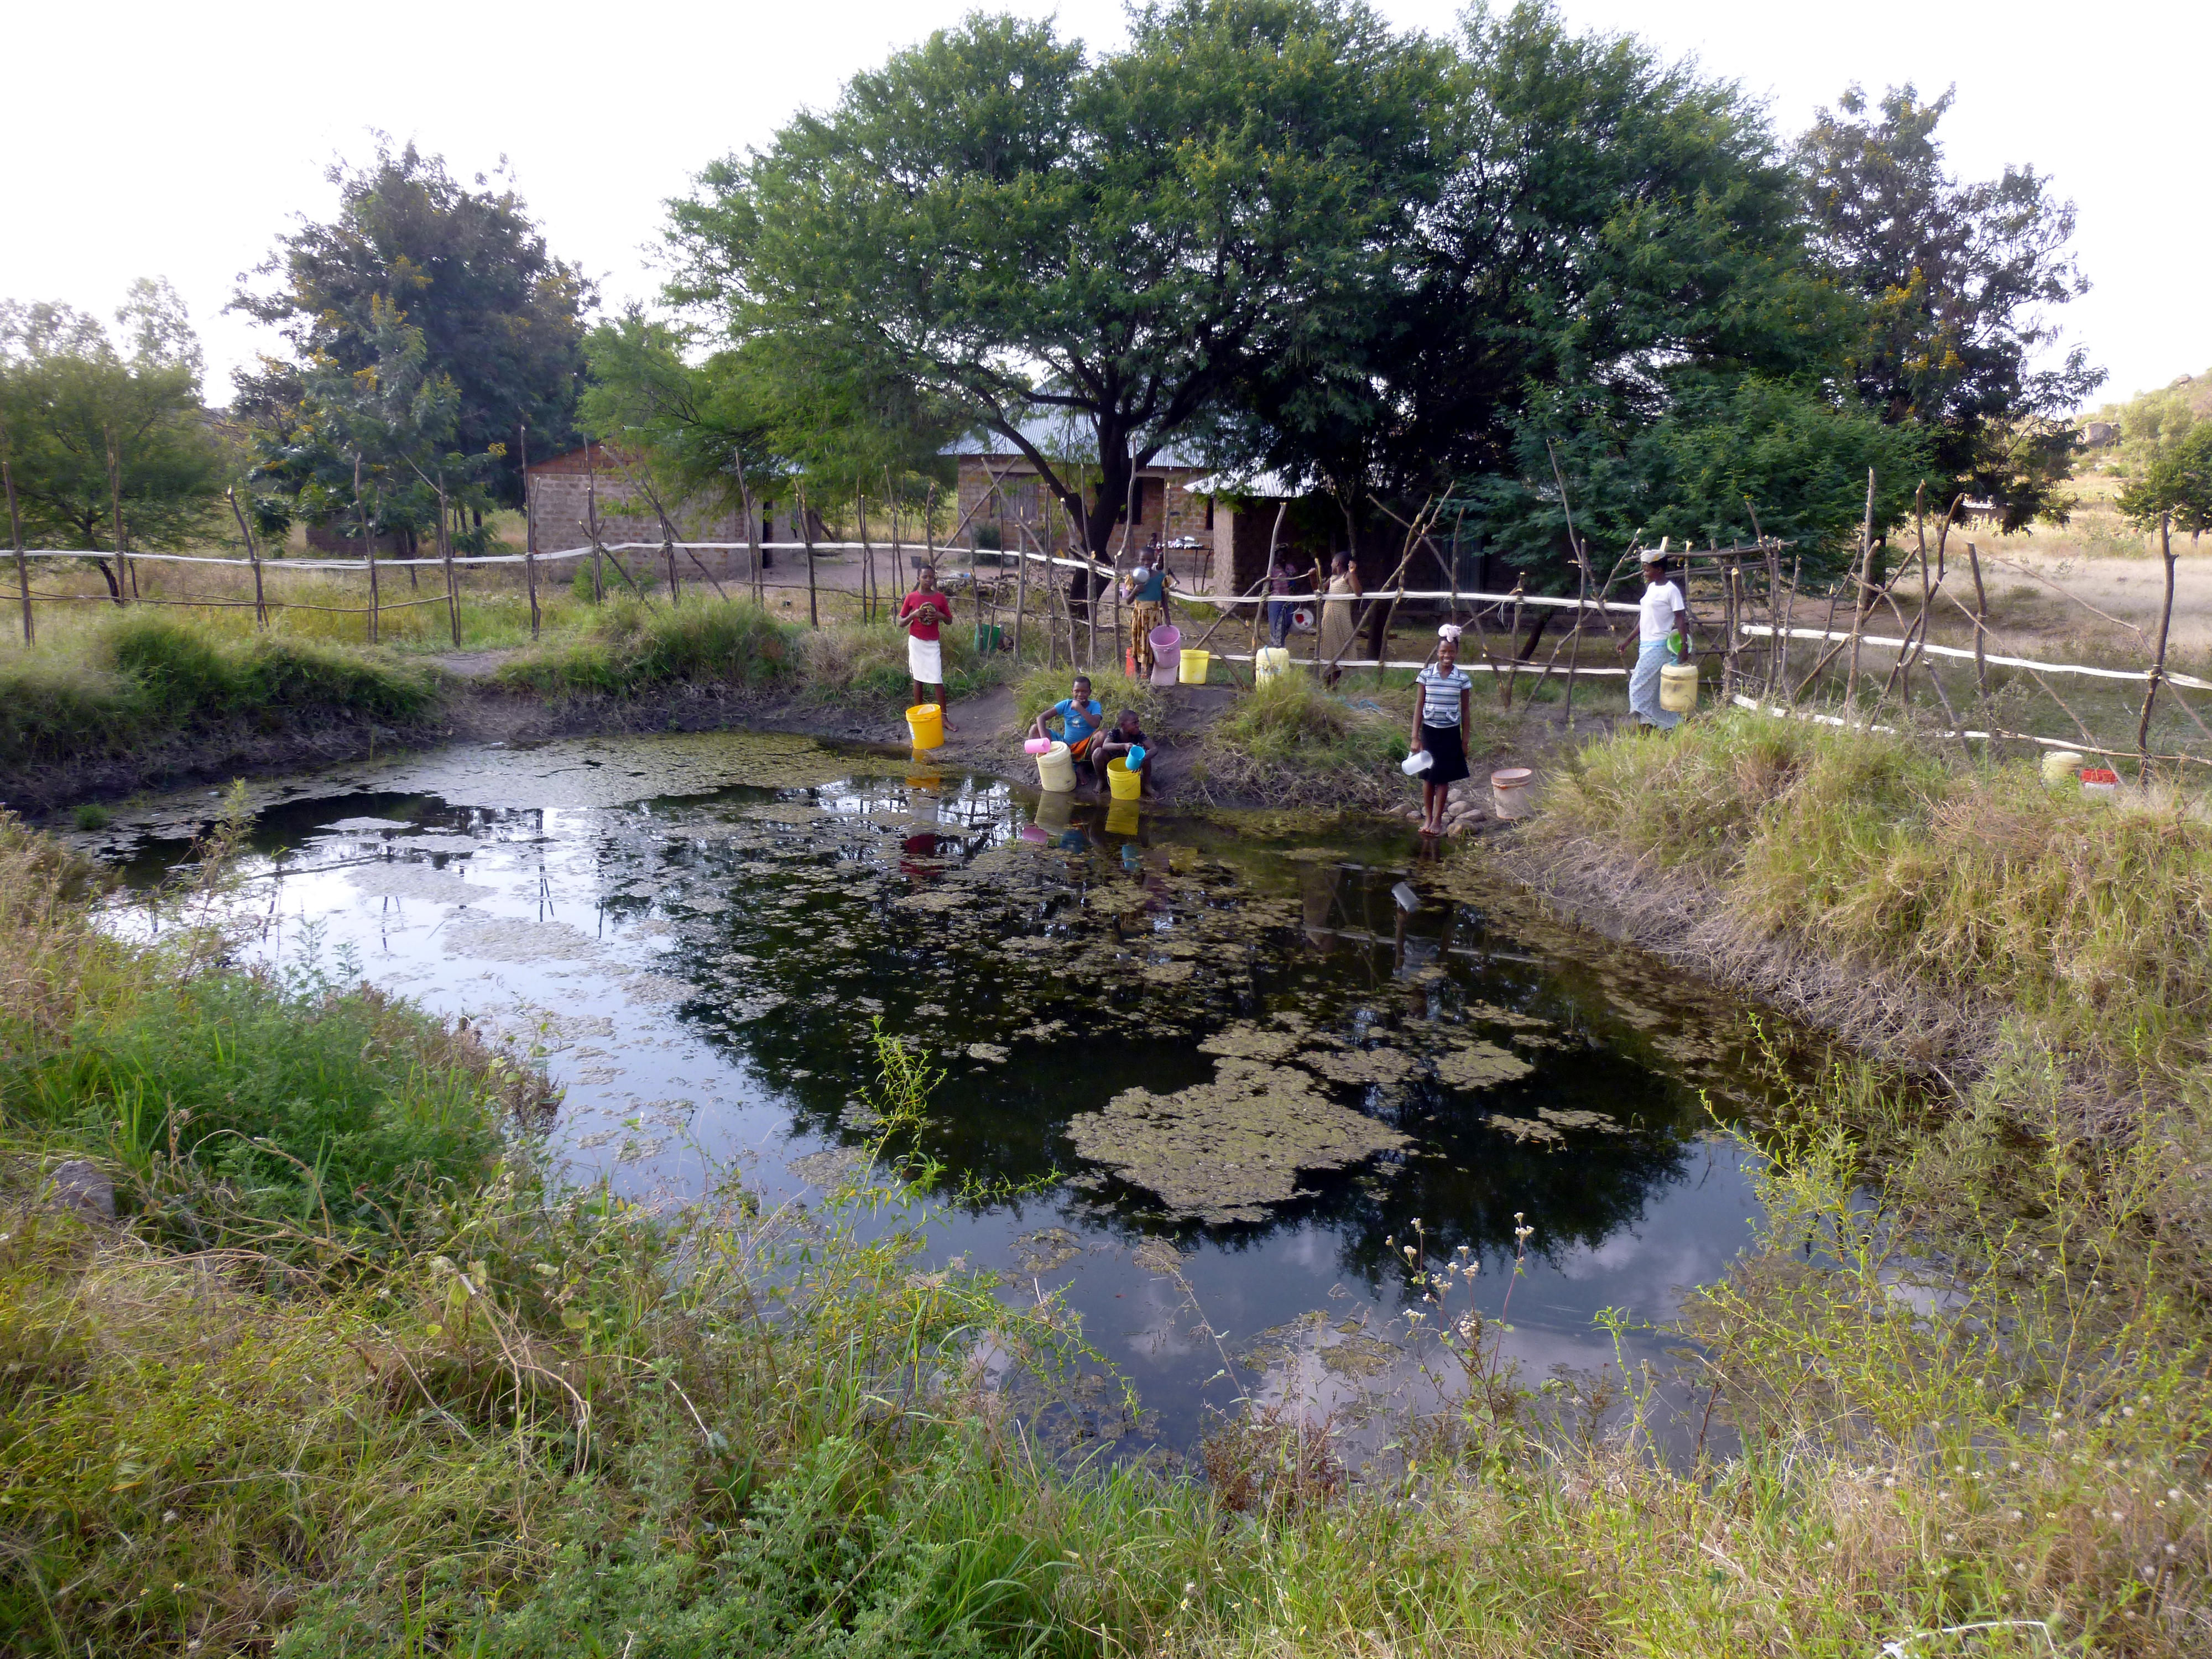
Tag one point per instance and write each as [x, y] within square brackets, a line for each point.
[924, 660]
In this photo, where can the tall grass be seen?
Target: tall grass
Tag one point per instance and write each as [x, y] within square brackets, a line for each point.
[629, 647]
[2093, 919]
[1290, 742]
[137, 678]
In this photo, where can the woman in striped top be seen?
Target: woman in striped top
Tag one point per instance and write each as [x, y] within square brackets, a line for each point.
[1440, 700]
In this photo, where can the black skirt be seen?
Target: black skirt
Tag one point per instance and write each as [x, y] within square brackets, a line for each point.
[1450, 765]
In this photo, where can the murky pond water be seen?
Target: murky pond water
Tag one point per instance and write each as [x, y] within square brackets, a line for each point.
[1233, 1058]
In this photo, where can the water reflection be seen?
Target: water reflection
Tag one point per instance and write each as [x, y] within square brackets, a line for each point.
[703, 936]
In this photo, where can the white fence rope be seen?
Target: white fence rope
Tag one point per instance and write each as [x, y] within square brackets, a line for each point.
[2036, 664]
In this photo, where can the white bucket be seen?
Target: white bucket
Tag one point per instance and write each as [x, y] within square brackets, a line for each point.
[1509, 792]
[1055, 770]
[2062, 766]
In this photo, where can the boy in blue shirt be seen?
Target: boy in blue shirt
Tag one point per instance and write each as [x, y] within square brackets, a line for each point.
[1080, 714]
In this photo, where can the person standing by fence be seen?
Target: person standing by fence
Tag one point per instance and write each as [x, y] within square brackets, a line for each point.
[923, 610]
[1663, 612]
[1282, 587]
[1147, 592]
[1440, 700]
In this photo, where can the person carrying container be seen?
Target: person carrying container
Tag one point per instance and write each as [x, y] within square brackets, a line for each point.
[1124, 738]
[923, 610]
[1441, 692]
[1146, 590]
[1080, 714]
[1662, 634]
[1282, 591]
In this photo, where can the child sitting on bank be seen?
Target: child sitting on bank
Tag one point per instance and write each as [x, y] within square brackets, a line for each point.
[1116, 741]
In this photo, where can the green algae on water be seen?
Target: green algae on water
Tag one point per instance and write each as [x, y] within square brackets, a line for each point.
[1222, 1152]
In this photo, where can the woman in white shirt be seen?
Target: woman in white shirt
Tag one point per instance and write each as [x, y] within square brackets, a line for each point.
[1663, 612]
[1440, 698]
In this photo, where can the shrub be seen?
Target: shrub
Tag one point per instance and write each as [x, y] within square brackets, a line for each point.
[633, 648]
[139, 679]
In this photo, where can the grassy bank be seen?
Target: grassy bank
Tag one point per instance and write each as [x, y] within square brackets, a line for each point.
[138, 680]
[344, 1375]
[630, 648]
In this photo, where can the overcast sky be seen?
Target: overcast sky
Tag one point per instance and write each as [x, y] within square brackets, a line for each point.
[177, 141]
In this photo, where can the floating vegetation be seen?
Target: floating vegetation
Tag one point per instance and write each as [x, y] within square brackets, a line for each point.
[990, 1053]
[402, 878]
[1160, 1256]
[503, 938]
[1246, 1041]
[1361, 1067]
[1046, 1250]
[1480, 1065]
[829, 1169]
[1225, 1150]
[1527, 1130]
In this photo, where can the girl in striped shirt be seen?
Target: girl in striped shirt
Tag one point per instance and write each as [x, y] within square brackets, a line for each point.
[1440, 699]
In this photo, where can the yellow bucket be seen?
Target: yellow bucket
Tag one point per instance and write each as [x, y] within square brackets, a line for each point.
[1678, 687]
[927, 721]
[1194, 665]
[1124, 784]
[1055, 771]
[1121, 817]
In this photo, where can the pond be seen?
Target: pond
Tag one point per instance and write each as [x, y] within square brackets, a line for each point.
[1229, 1061]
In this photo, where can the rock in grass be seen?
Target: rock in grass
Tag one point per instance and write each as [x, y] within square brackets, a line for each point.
[84, 1187]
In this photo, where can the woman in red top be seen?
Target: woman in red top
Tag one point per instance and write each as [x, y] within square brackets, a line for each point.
[922, 610]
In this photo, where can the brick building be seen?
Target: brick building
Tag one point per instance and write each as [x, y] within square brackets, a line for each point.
[1164, 504]
[559, 488]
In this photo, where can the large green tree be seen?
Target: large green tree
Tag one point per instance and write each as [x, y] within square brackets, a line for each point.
[1000, 226]
[1957, 282]
[90, 422]
[500, 316]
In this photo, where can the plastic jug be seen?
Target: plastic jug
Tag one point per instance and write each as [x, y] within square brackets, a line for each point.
[1055, 770]
[1678, 687]
[927, 721]
[1124, 784]
[1269, 661]
[1192, 667]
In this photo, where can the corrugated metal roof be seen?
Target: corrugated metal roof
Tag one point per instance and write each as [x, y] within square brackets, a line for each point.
[1060, 436]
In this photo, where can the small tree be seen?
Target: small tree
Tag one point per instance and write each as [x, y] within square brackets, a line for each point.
[2177, 480]
[1958, 280]
[93, 427]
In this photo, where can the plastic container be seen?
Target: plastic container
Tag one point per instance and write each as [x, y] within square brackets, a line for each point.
[927, 721]
[1269, 661]
[1123, 783]
[1136, 755]
[1194, 666]
[1055, 770]
[1509, 792]
[987, 636]
[1165, 638]
[2062, 766]
[1164, 674]
[1416, 762]
[1038, 746]
[1678, 687]
[2101, 782]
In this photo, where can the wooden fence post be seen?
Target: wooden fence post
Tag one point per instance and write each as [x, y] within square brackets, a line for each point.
[445, 558]
[1981, 625]
[2165, 622]
[374, 597]
[530, 579]
[16, 534]
[1859, 599]
[591, 522]
[126, 574]
[752, 525]
[253, 557]
[807, 535]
